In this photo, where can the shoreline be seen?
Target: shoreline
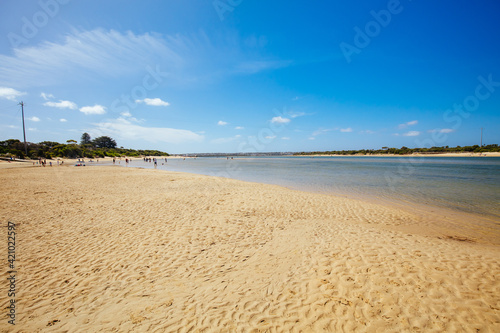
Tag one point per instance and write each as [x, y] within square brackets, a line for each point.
[488, 154]
[373, 198]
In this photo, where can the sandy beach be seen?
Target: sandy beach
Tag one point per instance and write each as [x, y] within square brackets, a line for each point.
[112, 249]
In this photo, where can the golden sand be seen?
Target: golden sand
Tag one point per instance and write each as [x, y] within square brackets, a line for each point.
[111, 249]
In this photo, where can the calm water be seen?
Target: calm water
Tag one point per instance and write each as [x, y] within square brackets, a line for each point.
[468, 184]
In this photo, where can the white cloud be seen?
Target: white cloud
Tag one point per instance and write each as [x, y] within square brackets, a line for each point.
[62, 120]
[322, 131]
[10, 93]
[271, 137]
[96, 109]
[442, 130]
[62, 105]
[412, 133]
[447, 130]
[367, 132]
[12, 126]
[112, 54]
[346, 130]
[129, 117]
[312, 138]
[294, 114]
[34, 119]
[410, 123]
[280, 120]
[32, 129]
[239, 128]
[222, 123]
[106, 53]
[123, 129]
[285, 138]
[152, 102]
[46, 96]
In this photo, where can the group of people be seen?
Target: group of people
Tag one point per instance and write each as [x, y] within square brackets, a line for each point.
[44, 162]
[154, 160]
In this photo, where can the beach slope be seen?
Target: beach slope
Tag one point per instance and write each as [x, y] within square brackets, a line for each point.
[103, 249]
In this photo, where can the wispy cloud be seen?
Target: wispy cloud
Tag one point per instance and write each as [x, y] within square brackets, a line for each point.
[62, 105]
[96, 109]
[152, 102]
[46, 96]
[322, 131]
[107, 53]
[410, 123]
[127, 115]
[10, 93]
[293, 114]
[222, 123]
[123, 129]
[62, 120]
[112, 54]
[412, 133]
[239, 128]
[346, 130]
[280, 120]
[442, 130]
[36, 119]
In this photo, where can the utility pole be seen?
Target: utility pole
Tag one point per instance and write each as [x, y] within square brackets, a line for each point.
[24, 130]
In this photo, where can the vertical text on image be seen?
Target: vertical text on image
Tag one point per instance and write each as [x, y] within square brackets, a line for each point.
[11, 260]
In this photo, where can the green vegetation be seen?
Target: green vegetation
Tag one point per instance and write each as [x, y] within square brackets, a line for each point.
[408, 151]
[99, 147]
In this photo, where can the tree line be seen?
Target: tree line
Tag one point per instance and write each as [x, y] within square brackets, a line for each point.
[99, 147]
[409, 151]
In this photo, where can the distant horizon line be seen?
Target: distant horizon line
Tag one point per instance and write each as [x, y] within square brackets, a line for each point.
[383, 150]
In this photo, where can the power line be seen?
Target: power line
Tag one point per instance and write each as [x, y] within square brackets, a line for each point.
[8, 107]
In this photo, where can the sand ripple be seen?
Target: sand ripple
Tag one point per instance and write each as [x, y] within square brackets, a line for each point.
[120, 250]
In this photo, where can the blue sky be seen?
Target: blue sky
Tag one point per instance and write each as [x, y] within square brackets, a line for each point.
[241, 76]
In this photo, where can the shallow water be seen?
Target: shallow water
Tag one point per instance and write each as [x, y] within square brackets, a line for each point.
[463, 183]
